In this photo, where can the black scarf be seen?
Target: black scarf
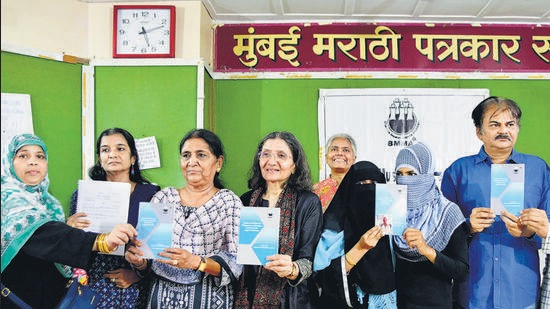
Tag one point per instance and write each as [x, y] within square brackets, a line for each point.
[268, 285]
[352, 210]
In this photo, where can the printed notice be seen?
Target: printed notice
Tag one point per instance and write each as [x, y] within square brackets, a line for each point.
[16, 116]
[391, 208]
[148, 152]
[106, 204]
[507, 188]
[258, 235]
[155, 228]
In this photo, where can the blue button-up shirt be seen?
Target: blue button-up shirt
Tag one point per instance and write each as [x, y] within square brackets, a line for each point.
[504, 270]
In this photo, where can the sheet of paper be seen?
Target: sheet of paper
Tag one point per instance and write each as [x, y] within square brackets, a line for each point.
[391, 208]
[106, 203]
[16, 116]
[507, 187]
[155, 228]
[258, 234]
[148, 152]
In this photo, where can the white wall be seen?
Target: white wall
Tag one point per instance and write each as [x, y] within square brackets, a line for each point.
[86, 29]
[59, 26]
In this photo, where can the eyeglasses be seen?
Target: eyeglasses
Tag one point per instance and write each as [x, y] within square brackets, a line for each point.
[277, 156]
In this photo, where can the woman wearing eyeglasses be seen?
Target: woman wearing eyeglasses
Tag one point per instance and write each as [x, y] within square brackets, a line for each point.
[280, 177]
[341, 153]
[432, 253]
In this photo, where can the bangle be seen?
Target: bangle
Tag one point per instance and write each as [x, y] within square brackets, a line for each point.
[350, 261]
[101, 243]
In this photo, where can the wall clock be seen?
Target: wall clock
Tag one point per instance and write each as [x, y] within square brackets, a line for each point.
[144, 31]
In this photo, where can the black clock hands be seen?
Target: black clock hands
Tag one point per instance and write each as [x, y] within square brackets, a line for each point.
[144, 32]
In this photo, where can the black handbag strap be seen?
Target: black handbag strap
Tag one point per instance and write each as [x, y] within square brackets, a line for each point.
[7, 293]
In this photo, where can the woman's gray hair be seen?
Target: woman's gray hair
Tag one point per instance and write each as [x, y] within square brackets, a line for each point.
[342, 135]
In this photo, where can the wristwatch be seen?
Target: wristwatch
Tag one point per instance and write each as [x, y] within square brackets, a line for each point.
[202, 265]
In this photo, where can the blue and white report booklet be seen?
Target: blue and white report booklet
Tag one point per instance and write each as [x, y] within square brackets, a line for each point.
[507, 187]
[258, 234]
[391, 208]
[155, 228]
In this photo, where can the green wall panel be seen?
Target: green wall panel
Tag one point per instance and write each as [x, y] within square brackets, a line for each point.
[161, 101]
[55, 90]
[246, 110]
[155, 101]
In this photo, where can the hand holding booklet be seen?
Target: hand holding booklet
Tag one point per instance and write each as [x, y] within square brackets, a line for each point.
[507, 188]
[258, 234]
[391, 208]
[155, 228]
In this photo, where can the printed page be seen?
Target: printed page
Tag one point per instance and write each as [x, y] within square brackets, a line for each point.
[155, 228]
[507, 187]
[258, 234]
[391, 208]
[106, 203]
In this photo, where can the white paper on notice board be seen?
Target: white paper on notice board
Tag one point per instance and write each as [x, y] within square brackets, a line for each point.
[148, 152]
[16, 116]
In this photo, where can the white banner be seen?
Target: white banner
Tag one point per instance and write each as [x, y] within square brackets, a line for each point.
[384, 120]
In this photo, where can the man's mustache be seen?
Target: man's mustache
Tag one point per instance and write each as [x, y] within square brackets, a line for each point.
[503, 136]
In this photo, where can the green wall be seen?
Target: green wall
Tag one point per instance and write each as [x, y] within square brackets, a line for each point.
[55, 90]
[155, 101]
[246, 110]
[161, 101]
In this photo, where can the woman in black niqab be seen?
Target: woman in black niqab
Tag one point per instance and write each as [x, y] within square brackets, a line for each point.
[346, 275]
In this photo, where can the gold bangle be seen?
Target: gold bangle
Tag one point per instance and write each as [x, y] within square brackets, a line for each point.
[350, 261]
[101, 242]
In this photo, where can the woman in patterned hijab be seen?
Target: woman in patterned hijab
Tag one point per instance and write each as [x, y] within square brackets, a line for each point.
[34, 233]
[433, 250]
[24, 207]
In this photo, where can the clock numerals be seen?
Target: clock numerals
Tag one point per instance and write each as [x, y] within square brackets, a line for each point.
[144, 31]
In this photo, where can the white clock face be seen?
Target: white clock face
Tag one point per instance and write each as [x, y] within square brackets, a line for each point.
[143, 31]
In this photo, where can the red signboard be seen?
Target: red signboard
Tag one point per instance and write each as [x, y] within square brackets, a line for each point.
[382, 47]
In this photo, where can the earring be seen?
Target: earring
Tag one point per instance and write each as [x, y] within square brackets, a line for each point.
[132, 169]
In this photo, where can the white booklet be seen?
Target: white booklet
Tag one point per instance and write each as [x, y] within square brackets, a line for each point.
[106, 203]
[391, 208]
[507, 187]
[258, 234]
[155, 228]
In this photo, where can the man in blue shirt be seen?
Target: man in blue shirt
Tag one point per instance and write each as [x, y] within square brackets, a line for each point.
[504, 261]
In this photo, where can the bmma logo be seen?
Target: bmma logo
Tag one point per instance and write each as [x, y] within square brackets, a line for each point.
[402, 122]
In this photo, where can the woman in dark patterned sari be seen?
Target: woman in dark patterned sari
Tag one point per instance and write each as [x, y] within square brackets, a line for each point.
[111, 276]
